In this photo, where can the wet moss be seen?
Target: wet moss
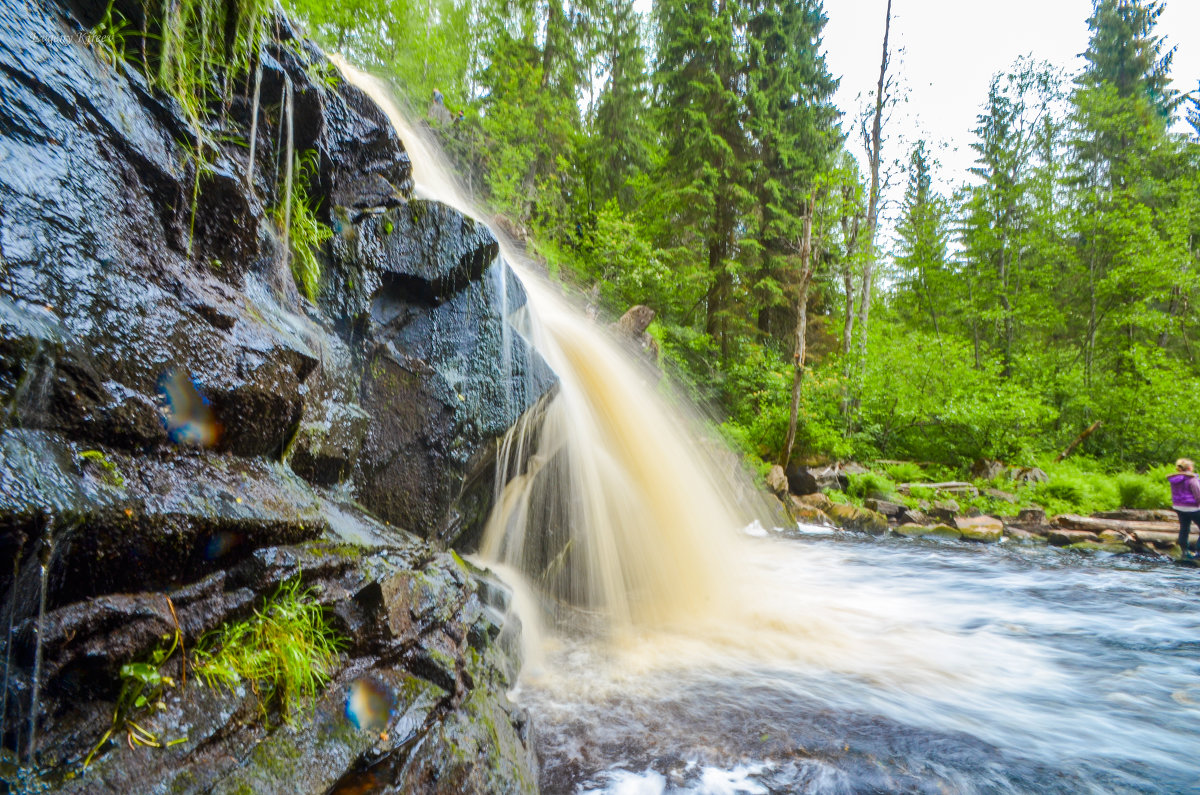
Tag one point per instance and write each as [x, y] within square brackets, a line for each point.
[100, 462]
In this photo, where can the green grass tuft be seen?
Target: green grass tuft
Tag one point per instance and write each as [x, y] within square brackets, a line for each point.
[286, 651]
[305, 232]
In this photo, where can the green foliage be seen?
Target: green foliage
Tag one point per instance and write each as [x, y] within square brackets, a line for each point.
[922, 493]
[305, 233]
[286, 651]
[111, 35]
[1056, 289]
[143, 685]
[871, 485]
[1149, 490]
[1076, 486]
[904, 472]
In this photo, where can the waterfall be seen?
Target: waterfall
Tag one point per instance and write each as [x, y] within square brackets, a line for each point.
[607, 506]
[287, 180]
[254, 125]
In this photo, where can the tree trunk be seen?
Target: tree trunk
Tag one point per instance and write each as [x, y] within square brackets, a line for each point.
[873, 151]
[806, 274]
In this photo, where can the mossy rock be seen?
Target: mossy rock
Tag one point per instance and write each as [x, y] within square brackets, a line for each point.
[982, 529]
[920, 531]
[820, 501]
[1019, 536]
[852, 518]
[1111, 547]
[806, 514]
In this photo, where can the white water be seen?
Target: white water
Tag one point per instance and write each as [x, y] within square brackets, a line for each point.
[694, 658]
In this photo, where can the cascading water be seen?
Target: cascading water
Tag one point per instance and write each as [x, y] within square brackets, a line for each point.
[690, 658]
[610, 508]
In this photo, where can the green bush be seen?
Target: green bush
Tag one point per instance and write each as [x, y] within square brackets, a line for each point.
[1076, 487]
[905, 472]
[922, 493]
[871, 485]
[1143, 491]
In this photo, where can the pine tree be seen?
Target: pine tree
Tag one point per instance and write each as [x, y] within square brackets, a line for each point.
[621, 137]
[1123, 52]
[1009, 137]
[794, 130]
[923, 237]
[706, 168]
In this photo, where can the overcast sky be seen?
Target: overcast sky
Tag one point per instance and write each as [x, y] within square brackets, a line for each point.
[951, 49]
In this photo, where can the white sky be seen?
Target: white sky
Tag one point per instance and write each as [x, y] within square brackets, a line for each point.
[951, 49]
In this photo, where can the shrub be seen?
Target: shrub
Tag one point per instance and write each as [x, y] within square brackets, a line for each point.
[1076, 487]
[1143, 491]
[904, 472]
[305, 232]
[871, 485]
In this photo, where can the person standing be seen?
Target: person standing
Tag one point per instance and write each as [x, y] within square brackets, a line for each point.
[1185, 500]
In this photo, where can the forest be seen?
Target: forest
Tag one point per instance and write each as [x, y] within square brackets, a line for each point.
[692, 159]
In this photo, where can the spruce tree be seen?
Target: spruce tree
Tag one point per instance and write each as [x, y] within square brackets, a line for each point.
[706, 167]
[923, 237]
[794, 130]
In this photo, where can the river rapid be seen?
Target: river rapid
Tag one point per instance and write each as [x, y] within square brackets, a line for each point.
[849, 665]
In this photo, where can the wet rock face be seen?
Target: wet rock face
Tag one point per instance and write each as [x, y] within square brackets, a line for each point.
[113, 277]
[176, 420]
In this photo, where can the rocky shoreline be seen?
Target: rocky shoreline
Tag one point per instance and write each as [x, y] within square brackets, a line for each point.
[1144, 532]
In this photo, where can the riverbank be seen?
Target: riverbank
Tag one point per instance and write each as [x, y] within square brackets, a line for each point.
[853, 498]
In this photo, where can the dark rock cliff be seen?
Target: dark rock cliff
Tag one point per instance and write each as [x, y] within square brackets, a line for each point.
[177, 420]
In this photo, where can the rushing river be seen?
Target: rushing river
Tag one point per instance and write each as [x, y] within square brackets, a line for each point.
[892, 666]
[685, 659]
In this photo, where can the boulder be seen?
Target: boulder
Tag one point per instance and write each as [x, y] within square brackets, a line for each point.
[805, 480]
[1023, 536]
[175, 409]
[888, 509]
[806, 514]
[636, 320]
[921, 531]
[912, 516]
[1031, 516]
[852, 518]
[1064, 538]
[984, 469]
[986, 529]
[632, 326]
[777, 481]
[1028, 475]
[944, 511]
[1109, 547]
[817, 500]
[1003, 496]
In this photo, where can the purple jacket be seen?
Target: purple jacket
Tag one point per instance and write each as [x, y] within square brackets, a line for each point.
[1185, 490]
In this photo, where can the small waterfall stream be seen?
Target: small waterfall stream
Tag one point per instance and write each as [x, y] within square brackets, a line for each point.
[682, 655]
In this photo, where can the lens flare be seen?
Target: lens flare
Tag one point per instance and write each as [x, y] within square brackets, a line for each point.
[185, 412]
[221, 544]
[369, 704]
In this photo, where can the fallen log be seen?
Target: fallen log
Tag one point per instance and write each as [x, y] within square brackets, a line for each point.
[1156, 534]
[951, 487]
[1096, 525]
[1078, 441]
